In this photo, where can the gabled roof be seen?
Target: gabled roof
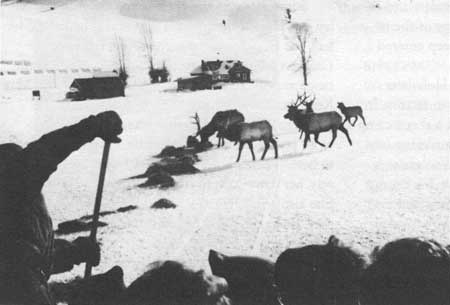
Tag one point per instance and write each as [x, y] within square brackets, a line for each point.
[217, 66]
[100, 74]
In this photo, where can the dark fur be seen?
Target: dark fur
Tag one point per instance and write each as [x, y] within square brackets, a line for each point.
[165, 283]
[351, 112]
[102, 289]
[408, 271]
[250, 279]
[170, 283]
[247, 133]
[316, 123]
[319, 274]
[219, 123]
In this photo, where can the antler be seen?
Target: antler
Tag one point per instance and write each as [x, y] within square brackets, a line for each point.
[196, 122]
[302, 99]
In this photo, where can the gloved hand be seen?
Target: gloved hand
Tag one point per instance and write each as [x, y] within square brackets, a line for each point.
[86, 251]
[109, 126]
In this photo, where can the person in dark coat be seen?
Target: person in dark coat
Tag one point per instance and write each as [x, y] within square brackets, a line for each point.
[29, 254]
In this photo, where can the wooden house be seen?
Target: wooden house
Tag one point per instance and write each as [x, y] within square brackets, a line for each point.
[224, 71]
[96, 88]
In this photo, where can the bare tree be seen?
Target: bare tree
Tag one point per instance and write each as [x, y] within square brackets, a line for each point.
[147, 43]
[120, 49]
[301, 43]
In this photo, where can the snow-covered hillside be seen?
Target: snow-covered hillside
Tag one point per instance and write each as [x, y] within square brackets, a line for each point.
[393, 182]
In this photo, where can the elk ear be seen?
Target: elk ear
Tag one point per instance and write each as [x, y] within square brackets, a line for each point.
[216, 256]
[374, 254]
[334, 241]
[216, 262]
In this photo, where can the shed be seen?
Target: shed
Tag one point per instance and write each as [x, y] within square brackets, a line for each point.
[96, 88]
[199, 82]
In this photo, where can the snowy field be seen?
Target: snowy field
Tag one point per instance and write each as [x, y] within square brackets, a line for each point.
[392, 183]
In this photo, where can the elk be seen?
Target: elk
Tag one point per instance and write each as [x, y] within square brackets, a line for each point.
[316, 123]
[247, 133]
[302, 100]
[351, 112]
[219, 123]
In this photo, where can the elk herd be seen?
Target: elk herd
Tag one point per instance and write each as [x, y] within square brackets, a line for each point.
[231, 125]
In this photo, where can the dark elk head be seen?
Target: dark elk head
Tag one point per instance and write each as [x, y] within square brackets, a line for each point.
[292, 111]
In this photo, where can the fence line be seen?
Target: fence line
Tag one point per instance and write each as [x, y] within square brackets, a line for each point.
[8, 72]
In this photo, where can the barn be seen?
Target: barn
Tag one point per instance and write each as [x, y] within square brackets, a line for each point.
[224, 71]
[96, 88]
[199, 82]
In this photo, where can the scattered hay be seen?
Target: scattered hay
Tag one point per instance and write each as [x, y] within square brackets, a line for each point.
[172, 151]
[158, 178]
[105, 213]
[76, 225]
[173, 166]
[126, 208]
[84, 223]
[164, 203]
[193, 143]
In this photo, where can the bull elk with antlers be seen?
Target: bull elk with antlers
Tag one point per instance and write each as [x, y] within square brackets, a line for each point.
[302, 100]
[220, 122]
[315, 123]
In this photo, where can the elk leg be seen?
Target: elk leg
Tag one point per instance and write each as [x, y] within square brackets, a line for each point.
[305, 142]
[316, 138]
[334, 137]
[250, 145]
[342, 128]
[346, 119]
[301, 134]
[275, 147]
[354, 122]
[241, 145]
[266, 148]
[364, 121]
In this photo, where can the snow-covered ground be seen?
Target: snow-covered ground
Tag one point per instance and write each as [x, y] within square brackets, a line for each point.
[393, 182]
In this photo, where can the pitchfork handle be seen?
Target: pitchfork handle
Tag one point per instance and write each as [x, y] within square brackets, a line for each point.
[98, 201]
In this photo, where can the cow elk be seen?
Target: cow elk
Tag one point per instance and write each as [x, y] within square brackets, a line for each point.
[247, 133]
[316, 123]
[220, 122]
[351, 112]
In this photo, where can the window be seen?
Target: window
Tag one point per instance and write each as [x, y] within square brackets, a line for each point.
[244, 76]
